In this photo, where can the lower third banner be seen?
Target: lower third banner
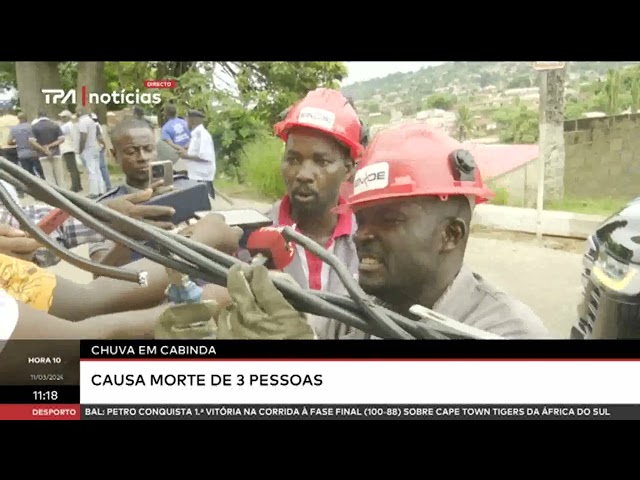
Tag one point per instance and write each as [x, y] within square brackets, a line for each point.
[360, 412]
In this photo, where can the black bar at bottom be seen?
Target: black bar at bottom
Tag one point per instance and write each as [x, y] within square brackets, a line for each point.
[33, 394]
[360, 412]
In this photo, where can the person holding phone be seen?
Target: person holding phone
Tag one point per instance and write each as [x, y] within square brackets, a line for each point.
[134, 148]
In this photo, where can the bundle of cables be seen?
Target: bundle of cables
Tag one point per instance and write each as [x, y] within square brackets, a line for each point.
[199, 261]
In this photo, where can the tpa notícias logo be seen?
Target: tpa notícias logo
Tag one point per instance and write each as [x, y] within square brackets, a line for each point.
[60, 96]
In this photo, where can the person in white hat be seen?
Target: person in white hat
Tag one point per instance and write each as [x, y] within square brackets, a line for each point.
[68, 149]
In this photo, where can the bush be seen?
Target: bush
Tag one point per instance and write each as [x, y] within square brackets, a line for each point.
[260, 162]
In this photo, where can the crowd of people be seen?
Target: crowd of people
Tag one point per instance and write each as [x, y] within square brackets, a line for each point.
[396, 210]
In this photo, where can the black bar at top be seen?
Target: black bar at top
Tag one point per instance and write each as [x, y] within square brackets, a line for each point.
[62, 394]
[365, 349]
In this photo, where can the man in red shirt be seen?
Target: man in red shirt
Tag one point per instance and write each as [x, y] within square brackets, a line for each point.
[323, 137]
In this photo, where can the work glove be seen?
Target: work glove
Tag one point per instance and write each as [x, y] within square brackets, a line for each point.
[259, 311]
[188, 321]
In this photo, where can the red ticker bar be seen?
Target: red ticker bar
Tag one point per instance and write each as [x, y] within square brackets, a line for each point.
[40, 412]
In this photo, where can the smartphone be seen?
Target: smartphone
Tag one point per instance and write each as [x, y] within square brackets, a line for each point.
[52, 221]
[162, 170]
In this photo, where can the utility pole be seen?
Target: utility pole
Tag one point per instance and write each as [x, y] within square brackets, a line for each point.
[551, 130]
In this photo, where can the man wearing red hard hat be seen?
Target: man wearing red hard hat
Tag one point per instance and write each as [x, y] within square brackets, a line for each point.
[414, 193]
[413, 196]
[323, 137]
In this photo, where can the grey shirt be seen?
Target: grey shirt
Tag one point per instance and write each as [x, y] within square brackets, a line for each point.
[21, 134]
[473, 301]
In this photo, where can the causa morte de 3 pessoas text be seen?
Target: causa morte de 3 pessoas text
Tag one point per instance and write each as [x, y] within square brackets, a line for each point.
[203, 380]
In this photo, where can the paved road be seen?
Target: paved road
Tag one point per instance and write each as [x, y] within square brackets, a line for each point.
[548, 280]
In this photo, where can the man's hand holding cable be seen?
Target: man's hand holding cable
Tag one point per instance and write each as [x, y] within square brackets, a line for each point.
[212, 231]
[259, 311]
[16, 243]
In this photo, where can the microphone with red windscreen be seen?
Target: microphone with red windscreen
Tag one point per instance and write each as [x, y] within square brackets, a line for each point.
[269, 248]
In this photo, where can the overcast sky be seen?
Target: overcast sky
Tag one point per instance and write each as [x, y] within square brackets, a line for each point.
[360, 71]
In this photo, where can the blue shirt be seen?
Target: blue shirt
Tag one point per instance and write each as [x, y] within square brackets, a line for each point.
[177, 131]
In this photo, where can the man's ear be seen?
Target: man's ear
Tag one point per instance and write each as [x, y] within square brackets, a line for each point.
[351, 170]
[113, 154]
[454, 232]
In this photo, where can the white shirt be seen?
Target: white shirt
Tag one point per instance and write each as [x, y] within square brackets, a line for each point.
[202, 146]
[9, 314]
[88, 126]
[71, 138]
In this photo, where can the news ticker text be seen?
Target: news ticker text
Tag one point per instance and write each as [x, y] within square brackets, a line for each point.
[360, 412]
[318, 412]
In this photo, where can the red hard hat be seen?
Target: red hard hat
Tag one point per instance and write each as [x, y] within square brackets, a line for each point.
[414, 160]
[328, 111]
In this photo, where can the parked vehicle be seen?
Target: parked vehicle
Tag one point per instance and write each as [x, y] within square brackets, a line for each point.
[610, 307]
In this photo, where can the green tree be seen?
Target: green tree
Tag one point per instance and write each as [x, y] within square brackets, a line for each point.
[522, 81]
[612, 91]
[517, 124]
[442, 101]
[464, 123]
[237, 117]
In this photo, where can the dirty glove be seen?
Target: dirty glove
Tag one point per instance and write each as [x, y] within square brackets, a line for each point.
[259, 311]
[188, 321]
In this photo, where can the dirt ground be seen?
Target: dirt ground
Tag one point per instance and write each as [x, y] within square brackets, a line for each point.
[571, 245]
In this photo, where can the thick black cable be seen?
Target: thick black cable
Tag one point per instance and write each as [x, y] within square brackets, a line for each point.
[417, 329]
[229, 261]
[375, 314]
[301, 299]
[347, 303]
[58, 200]
[75, 260]
[305, 301]
[288, 290]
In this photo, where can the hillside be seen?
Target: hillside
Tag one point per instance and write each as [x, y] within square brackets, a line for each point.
[462, 77]
[490, 91]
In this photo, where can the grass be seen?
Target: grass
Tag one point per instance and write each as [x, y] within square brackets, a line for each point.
[591, 206]
[233, 189]
[114, 168]
[261, 163]
[588, 206]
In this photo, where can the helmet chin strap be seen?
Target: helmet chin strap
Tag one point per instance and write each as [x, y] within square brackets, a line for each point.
[472, 201]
